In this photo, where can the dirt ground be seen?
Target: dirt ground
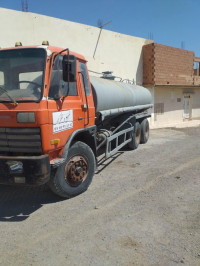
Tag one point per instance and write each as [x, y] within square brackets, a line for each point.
[142, 208]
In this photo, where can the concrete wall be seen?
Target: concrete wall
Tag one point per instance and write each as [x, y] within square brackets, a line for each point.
[117, 52]
[169, 105]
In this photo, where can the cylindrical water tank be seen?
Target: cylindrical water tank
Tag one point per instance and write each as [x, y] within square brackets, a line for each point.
[114, 95]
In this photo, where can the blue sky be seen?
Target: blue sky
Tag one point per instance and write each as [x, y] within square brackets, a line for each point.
[170, 22]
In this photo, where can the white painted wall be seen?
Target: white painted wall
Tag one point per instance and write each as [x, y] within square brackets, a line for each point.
[174, 109]
[117, 52]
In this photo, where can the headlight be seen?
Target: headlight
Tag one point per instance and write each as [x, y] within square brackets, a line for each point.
[26, 117]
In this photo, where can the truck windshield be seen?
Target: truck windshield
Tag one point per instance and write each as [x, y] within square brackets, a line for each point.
[22, 74]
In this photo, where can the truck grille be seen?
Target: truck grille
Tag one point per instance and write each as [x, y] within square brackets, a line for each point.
[25, 140]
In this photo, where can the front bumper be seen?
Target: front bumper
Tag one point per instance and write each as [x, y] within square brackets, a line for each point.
[28, 170]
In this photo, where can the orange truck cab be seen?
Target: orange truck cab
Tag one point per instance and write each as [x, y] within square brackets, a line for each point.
[53, 125]
[40, 111]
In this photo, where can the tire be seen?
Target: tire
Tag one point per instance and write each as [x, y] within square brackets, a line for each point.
[144, 131]
[74, 176]
[133, 145]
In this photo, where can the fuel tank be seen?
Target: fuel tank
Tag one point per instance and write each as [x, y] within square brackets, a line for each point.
[113, 97]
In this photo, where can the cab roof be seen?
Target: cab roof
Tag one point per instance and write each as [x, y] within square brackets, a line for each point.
[51, 49]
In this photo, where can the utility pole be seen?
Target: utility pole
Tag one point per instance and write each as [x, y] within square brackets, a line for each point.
[182, 45]
[25, 5]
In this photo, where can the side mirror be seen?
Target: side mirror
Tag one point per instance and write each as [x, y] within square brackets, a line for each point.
[69, 68]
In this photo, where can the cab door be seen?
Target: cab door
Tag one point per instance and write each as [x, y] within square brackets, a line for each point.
[87, 97]
[85, 91]
[66, 114]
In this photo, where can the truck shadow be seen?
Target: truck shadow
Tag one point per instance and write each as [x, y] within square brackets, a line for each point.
[17, 203]
[102, 162]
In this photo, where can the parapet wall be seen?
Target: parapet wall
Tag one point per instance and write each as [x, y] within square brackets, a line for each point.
[115, 52]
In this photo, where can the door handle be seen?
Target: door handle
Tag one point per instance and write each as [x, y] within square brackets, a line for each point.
[84, 106]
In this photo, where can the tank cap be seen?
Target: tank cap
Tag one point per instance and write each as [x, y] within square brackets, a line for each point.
[18, 44]
[108, 75]
[45, 43]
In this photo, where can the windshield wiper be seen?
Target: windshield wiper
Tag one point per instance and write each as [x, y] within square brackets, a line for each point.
[2, 90]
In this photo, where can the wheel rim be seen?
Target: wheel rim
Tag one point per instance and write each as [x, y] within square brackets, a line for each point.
[137, 137]
[76, 170]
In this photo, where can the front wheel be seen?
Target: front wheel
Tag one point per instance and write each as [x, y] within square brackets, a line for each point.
[75, 175]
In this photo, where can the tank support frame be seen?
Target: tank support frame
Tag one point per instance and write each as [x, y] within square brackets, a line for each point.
[120, 137]
[114, 144]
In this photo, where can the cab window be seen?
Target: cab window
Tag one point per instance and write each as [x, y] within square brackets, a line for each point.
[84, 77]
[1, 79]
[57, 84]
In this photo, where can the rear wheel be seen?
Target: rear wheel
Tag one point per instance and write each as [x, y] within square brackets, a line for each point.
[136, 137]
[144, 131]
[75, 175]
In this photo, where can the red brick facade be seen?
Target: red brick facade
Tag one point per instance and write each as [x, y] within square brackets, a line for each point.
[163, 65]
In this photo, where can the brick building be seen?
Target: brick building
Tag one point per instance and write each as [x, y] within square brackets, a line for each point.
[170, 75]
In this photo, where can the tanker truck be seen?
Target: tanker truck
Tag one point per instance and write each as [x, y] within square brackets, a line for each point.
[56, 120]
